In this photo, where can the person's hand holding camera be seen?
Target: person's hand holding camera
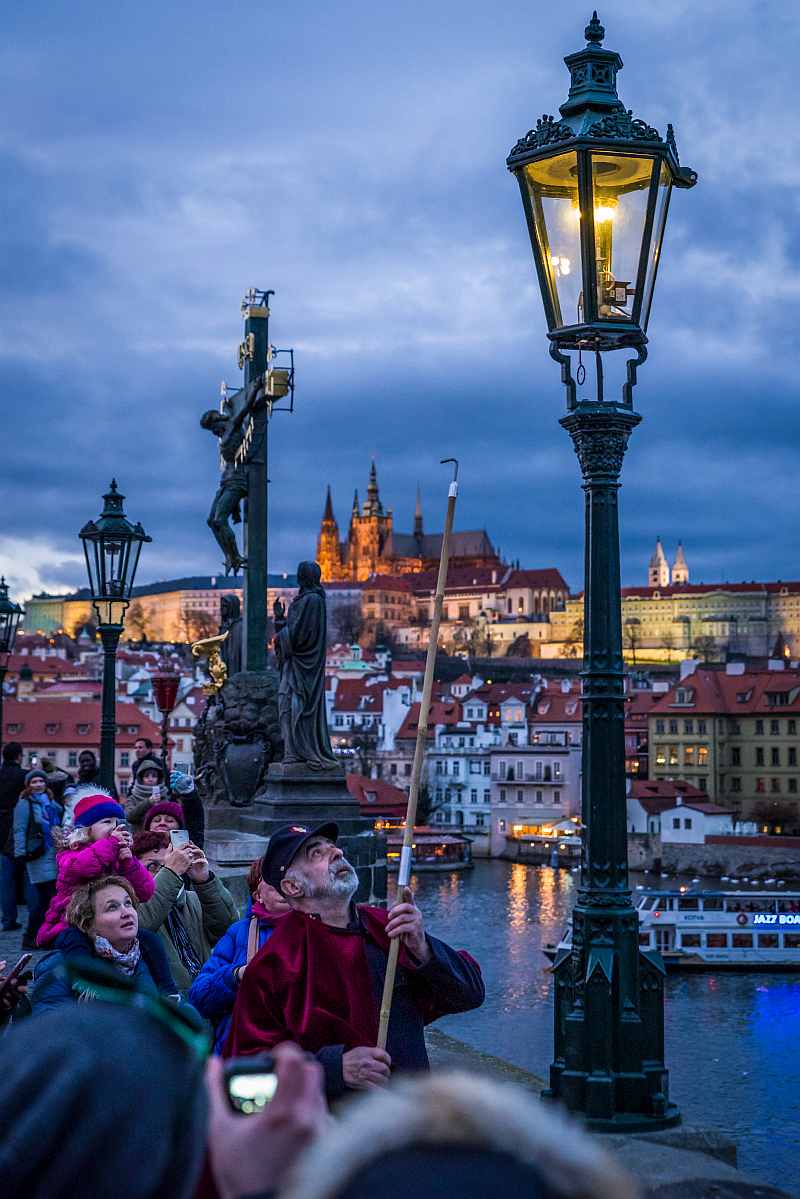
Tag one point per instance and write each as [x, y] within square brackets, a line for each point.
[256, 1153]
[179, 860]
[199, 870]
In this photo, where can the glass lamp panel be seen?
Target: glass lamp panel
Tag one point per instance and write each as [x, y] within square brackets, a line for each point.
[654, 249]
[553, 190]
[620, 192]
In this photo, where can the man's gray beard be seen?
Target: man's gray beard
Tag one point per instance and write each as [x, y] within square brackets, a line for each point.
[339, 884]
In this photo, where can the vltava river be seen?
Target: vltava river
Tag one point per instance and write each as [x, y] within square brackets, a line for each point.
[733, 1040]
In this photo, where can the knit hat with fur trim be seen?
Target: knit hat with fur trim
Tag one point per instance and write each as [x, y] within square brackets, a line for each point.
[98, 805]
[165, 807]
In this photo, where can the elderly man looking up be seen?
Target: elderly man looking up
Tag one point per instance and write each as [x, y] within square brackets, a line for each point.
[319, 978]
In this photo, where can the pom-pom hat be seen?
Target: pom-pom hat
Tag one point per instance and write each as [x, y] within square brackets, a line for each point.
[164, 807]
[98, 805]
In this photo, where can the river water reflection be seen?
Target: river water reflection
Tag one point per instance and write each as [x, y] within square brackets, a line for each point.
[732, 1039]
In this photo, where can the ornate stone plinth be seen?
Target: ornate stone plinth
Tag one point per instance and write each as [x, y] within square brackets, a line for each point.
[237, 738]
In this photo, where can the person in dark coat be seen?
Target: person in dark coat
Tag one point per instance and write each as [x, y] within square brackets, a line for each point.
[12, 871]
[300, 645]
[101, 1101]
[103, 924]
[318, 980]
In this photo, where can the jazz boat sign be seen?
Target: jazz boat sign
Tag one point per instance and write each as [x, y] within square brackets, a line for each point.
[781, 918]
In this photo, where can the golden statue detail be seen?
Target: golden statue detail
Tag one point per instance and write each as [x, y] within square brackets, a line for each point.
[209, 648]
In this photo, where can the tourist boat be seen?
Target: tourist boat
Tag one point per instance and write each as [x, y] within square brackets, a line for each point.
[717, 930]
[430, 850]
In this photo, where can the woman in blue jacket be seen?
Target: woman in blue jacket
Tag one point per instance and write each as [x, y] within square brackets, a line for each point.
[214, 989]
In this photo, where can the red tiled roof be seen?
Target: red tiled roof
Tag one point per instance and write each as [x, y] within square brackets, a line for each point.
[558, 708]
[66, 687]
[388, 800]
[675, 589]
[37, 665]
[550, 578]
[27, 722]
[388, 583]
[440, 714]
[355, 695]
[665, 789]
[714, 692]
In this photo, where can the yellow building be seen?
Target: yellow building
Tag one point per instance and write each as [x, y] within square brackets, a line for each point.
[175, 610]
[734, 734]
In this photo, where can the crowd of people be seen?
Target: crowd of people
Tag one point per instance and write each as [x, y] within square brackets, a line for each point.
[122, 1050]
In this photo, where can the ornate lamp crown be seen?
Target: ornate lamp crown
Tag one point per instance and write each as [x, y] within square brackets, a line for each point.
[593, 73]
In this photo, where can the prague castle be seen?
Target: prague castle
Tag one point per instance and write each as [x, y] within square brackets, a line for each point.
[373, 546]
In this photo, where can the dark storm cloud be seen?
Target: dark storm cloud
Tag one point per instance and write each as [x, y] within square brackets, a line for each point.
[352, 158]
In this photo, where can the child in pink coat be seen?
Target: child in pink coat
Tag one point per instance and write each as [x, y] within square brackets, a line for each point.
[94, 846]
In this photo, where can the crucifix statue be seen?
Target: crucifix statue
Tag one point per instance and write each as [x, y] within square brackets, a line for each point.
[241, 427]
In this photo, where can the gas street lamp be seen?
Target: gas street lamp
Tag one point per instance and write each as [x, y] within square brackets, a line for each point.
[596, 187]
[10, 616]
[112, 546]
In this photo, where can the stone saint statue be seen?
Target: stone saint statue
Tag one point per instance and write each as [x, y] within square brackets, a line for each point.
[230, 428]
[231, 623]
[300, 644]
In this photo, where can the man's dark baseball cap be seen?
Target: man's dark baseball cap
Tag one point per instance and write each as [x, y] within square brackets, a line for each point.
[284, 846]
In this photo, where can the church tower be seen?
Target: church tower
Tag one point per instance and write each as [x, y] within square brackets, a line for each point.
[329, 551]
[680, 569]
[658, 567]
[370, 530]
[418, 530]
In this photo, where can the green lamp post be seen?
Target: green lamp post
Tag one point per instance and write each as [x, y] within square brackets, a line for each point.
[596, 187]
[112, 546]
[10, 616]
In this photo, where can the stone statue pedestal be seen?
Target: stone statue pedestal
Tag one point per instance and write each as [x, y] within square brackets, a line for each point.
[296, 794]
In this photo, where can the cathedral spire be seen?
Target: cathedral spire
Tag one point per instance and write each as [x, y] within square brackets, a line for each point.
[328, 513]
[680, 567]
[658, 567]
[355, 503]
[373, 498]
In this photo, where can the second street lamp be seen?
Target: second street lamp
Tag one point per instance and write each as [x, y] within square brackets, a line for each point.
[112, 546]
[10, 616]
[595, 188]
[165, 685]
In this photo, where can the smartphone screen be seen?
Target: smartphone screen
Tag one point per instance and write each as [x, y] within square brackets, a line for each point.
[250, 1093]
[179, 837]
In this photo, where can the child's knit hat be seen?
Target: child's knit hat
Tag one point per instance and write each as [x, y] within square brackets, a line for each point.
[98, 805]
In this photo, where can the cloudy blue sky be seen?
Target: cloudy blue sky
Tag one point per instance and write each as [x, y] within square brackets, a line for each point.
[157, 159]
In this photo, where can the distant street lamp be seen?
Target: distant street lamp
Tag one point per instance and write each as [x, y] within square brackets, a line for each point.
[596, 186]
[165, 689]
[112, 546]
[10, 616]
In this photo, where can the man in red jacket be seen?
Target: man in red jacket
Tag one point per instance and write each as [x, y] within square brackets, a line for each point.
[318, 980]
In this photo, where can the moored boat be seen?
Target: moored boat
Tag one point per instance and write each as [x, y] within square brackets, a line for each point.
[717, 930]
[430, 850]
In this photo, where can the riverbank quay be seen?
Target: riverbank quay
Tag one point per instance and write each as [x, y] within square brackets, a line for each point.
[686, 1162]
[755, 858]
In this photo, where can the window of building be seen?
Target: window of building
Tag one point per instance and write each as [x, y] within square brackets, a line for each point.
[474, 767]
[687, 822]
[539, 796]
[793, 786]
[701, 726]
[337, 720]
[392, 768]
[774, 785]
[792, 758]
[473, 795]
[72, 758]
[556, 770]
[486, 767]
[502, 795]
[742, 940]
[407, 768]
[702, 782]
[736, 785]
[439, 766]
[688, 755]
[774, 728]
[673, 755]
[556, 797]
[688, 726]
[487, 795]
[734, 728]
[644, 939]
[775, 756]
[760, 786]
[767, 941]
[456, 767]
[736, 756]
[759, 728]
[702, 755]
[661, 757]
[676, 823]
[501, 826]
[673, 726]
[792, 728]
[759, 756]
[519, 797]
[690, 940]
[83, 729]
[659, 726]
[463, 611]
[717, 940]
[133, 729]
[438, 794]
[125, 758]
[480, 820]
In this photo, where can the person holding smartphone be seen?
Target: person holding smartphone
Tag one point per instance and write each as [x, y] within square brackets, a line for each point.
[190, 908]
